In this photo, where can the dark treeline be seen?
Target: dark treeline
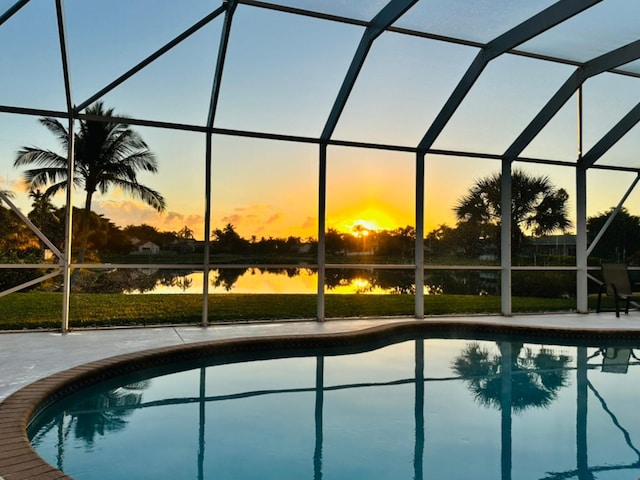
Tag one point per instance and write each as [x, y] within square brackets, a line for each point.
[105, 239]
[468, 240]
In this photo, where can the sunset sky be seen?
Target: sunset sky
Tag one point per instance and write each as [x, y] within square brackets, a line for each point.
[282, 75]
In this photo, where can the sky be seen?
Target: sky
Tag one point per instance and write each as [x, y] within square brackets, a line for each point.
[282, 75]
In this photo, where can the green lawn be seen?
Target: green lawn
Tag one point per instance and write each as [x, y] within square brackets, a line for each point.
[43, 309]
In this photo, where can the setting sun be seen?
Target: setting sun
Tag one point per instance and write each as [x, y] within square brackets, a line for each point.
[362, 228]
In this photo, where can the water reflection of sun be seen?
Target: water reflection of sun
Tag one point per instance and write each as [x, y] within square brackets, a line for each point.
[361, 284]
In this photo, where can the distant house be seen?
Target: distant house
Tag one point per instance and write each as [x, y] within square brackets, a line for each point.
[148, 248]
[187, 245]
[564, 245]
[304, 248]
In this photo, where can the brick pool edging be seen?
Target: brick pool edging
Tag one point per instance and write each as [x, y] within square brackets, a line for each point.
[19, 461]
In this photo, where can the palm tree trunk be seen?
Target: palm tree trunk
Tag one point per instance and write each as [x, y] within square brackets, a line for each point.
[83, 235]
[84, 227]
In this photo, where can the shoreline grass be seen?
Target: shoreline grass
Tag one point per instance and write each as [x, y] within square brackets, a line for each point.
[43, 310]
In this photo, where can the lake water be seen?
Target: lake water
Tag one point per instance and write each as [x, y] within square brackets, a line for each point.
[255, 280]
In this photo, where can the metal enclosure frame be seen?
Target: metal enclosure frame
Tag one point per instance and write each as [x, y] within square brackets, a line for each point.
[505, 44]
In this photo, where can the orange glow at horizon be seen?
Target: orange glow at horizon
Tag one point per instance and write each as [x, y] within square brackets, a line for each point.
[368, 216]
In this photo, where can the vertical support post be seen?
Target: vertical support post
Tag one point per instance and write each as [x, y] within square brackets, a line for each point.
[419, 243]
[319, 428]
[582, 299]
[207, 231]
[505, 239]
[322, 211]
[418, 450]
[68, 230]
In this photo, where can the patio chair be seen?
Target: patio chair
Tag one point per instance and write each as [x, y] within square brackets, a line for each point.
[617, 285]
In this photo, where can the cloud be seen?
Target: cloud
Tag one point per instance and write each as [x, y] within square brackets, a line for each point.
[263, 220]
[276, 217]
[20, 185]
[15, 185]
[309, 227]
[129, 212]
[260, 220]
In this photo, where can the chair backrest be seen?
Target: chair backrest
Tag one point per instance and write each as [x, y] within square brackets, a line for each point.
[616, 274]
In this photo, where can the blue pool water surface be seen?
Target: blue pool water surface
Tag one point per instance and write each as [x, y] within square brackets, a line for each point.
[419, 409]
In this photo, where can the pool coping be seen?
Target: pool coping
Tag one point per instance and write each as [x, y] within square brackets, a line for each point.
[19, 461]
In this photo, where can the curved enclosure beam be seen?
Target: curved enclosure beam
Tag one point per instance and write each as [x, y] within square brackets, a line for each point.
[383, 20]
[64, 55]
[603, 63]
[222, 54]
[11, 10]
[528, 29]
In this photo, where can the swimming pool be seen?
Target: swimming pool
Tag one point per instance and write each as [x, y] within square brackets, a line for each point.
[393, 404]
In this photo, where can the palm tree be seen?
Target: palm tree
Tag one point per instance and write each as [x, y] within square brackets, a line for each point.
[107, 154]
[536, 205]
[185, 233]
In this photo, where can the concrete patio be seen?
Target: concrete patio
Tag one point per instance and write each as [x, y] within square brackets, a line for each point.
[27, 357]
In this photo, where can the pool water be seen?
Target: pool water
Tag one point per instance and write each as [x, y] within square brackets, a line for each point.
[425, 408]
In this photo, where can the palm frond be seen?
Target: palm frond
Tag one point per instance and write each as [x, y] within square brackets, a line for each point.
[149, 196]
[55, 127]
[55, 188]
[37, 156]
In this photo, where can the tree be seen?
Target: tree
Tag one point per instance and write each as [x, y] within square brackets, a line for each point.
[399, 242]
[333, 241]
[143, 233]
[228, 240]
[621, 240]
[537, 205]
[18, 244]
[44, 215]
[107, 154]
[185, 233]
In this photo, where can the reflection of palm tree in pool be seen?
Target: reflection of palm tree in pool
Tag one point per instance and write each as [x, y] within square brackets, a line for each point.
[100, 413]
[535, 377]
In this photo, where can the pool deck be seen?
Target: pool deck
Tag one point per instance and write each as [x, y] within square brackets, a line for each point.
[30, 356]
